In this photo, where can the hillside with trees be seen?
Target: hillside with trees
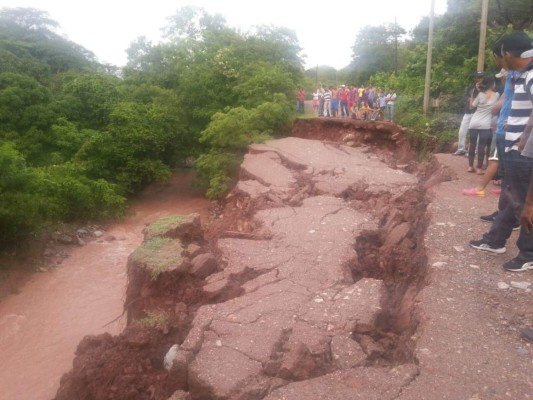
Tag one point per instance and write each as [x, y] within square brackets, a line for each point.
[77, 137]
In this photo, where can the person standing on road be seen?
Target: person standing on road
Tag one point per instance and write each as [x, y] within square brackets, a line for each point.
[315, 102]
[517, 51]
[496, 161]
[471, 92]
[301, 100]
[480, 125]
[327, 102]
[390, 99]
[344, 96]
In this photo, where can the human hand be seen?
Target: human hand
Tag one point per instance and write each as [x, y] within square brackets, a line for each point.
[521, 144]
[526, 218]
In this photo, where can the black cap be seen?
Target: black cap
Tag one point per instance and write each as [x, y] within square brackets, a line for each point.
[516, 42]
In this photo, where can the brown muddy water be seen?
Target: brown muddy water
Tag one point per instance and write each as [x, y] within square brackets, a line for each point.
[41, 326]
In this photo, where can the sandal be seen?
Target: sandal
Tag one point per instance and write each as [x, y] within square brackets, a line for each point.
[474, 192]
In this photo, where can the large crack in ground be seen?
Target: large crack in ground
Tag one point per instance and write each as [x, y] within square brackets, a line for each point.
[394, 253]
[316, 274]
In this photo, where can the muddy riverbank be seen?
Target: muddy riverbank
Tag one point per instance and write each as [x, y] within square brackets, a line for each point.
[43, 322]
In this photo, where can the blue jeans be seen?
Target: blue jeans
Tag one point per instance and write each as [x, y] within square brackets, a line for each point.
[390, 112]
[344, 109]
[463, 131]
[517, 175]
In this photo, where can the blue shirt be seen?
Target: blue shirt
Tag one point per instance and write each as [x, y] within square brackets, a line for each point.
[506, 104]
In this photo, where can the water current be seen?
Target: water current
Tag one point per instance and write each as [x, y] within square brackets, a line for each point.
[41, 325]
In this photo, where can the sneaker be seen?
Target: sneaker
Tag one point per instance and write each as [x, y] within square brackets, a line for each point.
[518, 265]
[473, 192]
[483, 245]
[489, 218]
[459, 153]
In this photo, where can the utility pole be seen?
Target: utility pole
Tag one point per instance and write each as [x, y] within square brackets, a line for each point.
[395, 48]
[482, 35]
[429, 56]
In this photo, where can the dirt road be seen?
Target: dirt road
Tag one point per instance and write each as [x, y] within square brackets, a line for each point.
[468, 346]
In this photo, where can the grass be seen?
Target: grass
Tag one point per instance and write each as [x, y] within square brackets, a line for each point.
[154, 319]
[162, 225]
[158, 254]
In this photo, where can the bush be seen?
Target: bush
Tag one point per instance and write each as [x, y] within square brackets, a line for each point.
[228, 136]
[73, 195]
[214, 171]
[20, 204]
[31, 197]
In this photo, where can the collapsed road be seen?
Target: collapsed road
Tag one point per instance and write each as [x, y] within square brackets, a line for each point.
[303, 287]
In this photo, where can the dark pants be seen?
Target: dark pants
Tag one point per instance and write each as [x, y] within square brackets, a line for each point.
[500, 148]
[517, 174]
[482, 137]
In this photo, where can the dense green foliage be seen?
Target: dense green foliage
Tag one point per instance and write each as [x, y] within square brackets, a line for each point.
[76, 139]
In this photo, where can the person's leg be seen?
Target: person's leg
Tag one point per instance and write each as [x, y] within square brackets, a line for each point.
[494, 240]
[463, 132]
[519, 184]
[484, 138]
[490, 172]
[473, 135]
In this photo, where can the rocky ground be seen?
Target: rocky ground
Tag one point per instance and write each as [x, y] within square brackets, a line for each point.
[338, 268]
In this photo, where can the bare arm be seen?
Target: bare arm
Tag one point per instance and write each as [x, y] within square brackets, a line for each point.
[498, 105]
[525, 136]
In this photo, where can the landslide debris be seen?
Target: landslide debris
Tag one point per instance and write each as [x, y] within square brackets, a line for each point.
[304, 286]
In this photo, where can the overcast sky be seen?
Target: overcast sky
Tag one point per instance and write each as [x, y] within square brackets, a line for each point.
[326, 30]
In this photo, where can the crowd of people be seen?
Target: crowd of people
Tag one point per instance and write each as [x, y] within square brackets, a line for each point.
[365, 102]
[498, 121]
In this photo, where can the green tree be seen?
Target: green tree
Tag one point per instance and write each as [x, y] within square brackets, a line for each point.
[92, 97]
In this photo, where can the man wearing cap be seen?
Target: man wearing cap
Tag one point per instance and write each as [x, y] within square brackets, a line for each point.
[516, 50]
[471, 92]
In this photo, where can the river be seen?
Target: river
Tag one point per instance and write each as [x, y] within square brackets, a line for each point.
[41, 326]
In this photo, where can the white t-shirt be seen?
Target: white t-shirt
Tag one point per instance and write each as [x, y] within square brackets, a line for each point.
[482, 117]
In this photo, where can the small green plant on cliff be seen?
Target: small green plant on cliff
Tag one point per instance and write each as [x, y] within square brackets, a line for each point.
[163, 225]
[154, 319]
[157, 255]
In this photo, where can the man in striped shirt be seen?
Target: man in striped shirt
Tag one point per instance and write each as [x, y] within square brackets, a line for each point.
[516, 51]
